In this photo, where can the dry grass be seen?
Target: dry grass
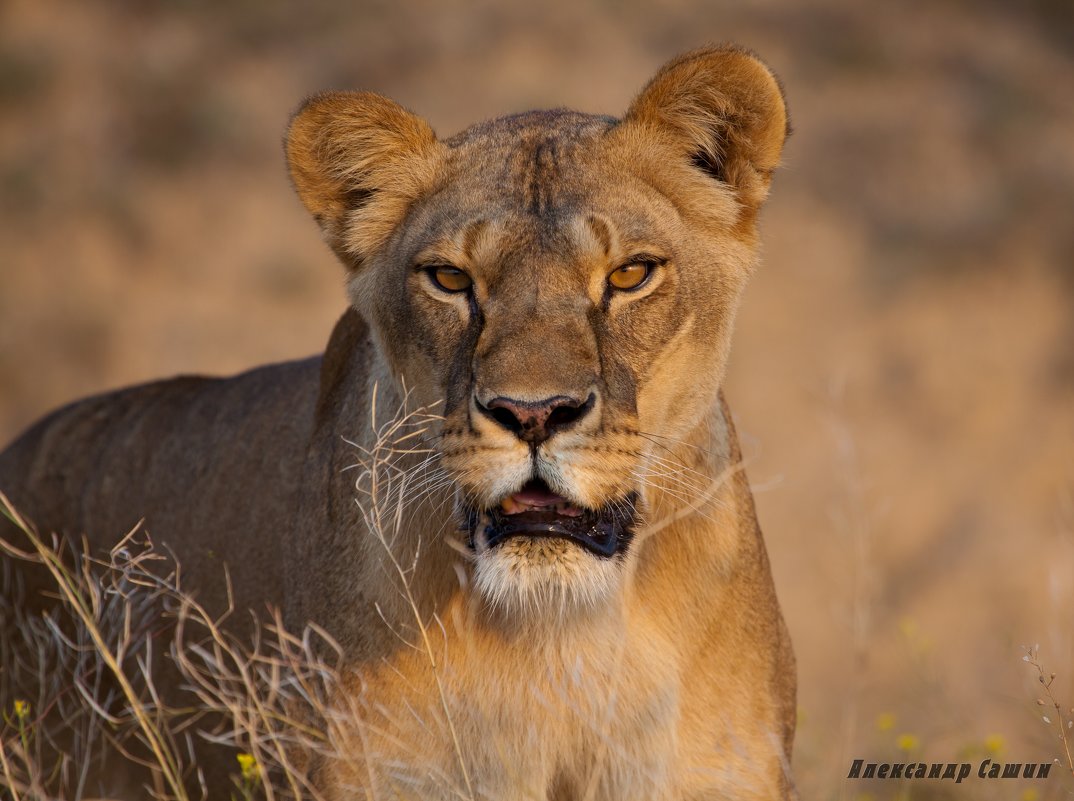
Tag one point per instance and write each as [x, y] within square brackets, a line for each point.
[128, 670]
[1062, 719]
[84, 692]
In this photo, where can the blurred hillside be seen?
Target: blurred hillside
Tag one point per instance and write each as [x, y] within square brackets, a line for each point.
[903, 372]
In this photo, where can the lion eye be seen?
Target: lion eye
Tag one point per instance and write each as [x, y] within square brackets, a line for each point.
[631, 276]
[450, 279]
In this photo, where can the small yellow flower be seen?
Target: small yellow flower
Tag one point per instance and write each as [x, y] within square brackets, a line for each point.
[248, 765]
[885, 721]
[865, 797]
[22, 709]
[993, 743]
[907, 742]
[1029, 794]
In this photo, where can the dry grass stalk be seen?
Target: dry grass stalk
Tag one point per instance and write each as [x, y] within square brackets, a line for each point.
[1064, 721]
[91, 662]
[386, 491]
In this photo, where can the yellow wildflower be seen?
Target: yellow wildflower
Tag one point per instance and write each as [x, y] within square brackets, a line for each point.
[907, 742]
[993, 743]
[885, 721]
[22, 709]
[1029, 794]
[248, 765]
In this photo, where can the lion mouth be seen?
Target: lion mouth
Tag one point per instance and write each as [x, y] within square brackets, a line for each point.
[536, 511]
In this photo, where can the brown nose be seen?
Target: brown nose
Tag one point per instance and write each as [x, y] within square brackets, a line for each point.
[536, 421]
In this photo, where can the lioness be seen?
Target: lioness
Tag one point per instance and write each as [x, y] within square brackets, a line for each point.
[559, 288]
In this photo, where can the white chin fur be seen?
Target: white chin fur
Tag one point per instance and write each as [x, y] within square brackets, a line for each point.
[537, 577]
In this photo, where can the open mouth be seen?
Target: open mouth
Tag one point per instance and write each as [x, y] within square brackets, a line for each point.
[536, 511]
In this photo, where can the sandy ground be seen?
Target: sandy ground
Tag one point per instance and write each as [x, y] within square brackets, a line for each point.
[903, 373]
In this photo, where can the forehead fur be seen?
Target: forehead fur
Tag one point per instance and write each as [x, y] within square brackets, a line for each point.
[561, 123]
[535, 163]
[542, 171]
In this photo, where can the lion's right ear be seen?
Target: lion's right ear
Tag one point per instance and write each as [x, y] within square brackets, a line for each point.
[722, 109]
[358, 160]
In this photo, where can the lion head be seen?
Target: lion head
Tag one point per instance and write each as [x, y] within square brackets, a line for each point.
[564, 285]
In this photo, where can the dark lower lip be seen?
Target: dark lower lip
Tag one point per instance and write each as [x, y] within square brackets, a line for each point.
[605, 532]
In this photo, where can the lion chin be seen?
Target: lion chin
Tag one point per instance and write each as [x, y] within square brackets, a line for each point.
[546, 577]
[537, 553]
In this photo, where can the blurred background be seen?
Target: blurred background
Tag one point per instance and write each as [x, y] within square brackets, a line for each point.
[903, 375]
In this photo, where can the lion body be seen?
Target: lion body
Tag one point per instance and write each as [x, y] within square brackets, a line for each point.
[86, 470]
[662, 672]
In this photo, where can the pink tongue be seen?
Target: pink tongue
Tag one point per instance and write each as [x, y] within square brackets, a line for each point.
[535, 495]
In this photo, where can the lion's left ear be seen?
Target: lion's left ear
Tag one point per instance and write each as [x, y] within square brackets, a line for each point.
[358, 160]
[723, 109]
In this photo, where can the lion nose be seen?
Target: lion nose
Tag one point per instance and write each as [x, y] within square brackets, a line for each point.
[536, 421]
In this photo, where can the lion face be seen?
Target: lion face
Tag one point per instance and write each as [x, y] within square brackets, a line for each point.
[564, 285]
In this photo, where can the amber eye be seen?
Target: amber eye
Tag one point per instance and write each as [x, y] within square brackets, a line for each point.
[631, 276]
[450, 279]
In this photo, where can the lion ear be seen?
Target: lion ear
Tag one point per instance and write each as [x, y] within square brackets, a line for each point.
[358, 160]
[723, 109]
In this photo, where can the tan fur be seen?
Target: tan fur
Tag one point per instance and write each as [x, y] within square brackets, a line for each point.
[662, 673]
